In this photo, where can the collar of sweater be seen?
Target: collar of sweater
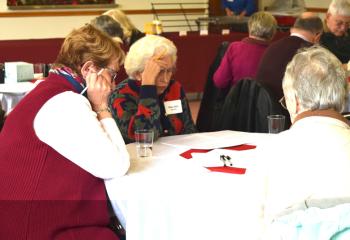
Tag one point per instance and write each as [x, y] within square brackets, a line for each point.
[322, 113]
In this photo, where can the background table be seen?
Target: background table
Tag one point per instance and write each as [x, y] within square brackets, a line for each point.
[170, 197]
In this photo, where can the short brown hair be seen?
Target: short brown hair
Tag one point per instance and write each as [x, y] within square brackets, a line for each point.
[88, 44]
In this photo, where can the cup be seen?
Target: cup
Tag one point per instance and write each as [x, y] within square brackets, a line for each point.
[276, 123]
[144, 143]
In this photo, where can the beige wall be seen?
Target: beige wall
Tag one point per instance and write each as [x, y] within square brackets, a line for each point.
[58, 27]
[309, 3]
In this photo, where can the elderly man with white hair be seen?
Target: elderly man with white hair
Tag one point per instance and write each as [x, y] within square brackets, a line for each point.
[336, 36]
[311, 160]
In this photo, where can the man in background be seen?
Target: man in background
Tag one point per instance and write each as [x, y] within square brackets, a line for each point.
[336, 36]
[304, 33]
[242, 8]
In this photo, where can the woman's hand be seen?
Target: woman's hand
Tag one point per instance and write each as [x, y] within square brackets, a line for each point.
[152, 69]
[99, 88]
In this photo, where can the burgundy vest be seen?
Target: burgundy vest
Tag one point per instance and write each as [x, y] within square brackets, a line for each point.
[43, 195]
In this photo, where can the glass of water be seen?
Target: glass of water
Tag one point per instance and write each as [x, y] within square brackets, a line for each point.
[276, 123]
[144, 142]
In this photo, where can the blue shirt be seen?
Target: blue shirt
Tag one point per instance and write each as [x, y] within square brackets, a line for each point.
[238, 6]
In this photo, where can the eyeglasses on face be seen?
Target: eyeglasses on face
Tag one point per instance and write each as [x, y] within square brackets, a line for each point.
[168, 70]
[282, 101]
[112, 73]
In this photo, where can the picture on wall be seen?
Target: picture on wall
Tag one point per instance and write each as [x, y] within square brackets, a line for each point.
[30, 4]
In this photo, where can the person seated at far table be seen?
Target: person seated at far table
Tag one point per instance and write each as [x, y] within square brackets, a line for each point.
[242, 58]
[131, 33]
[240, 8]
[110, 26]
[305, 32]
[60, 146]
[311, 160]
[336, 36]
[150, 98]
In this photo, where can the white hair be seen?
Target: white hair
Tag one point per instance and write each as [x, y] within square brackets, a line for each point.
[317, 79]
[143, 49]
[340, 7]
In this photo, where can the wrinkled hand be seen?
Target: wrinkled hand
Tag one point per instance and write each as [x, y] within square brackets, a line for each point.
[152, 68]
[98, 90]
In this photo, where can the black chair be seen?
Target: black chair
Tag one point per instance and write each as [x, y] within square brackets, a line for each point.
[213, 97]
[247, 106]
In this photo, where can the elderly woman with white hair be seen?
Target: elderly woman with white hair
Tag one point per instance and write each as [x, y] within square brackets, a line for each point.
[242, 58]
[150, 98]
[310, 162]
[336, 36]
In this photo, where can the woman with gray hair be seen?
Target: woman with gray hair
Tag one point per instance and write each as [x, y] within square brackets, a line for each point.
[242, 58]
[150, 98]
[310, 162]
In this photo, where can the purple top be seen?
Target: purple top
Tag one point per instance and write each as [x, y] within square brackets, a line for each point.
[240, 61]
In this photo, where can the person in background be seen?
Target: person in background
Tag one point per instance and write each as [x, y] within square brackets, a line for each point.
[336, 36]
[150, 98]
[311, 160]
[60, 146]
[242, 58]
[108, 25]
[242, 8]
[305, 32]
[131, 33]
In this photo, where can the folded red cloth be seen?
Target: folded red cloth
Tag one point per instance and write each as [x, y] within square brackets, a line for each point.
[226, 169]
[188, 153]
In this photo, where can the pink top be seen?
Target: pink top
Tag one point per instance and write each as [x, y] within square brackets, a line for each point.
[240, 61]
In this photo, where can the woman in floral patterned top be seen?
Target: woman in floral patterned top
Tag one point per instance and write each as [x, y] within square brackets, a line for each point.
[149, 98]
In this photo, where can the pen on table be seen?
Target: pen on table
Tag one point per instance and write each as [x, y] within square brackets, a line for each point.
[98, 74]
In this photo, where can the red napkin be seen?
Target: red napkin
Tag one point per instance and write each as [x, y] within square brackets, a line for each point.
[225, 169]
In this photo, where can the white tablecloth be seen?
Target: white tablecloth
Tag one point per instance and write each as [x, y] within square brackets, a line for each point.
[170, 197]
[11, 94]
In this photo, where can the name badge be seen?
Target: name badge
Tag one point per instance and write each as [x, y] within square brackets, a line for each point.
[173, 107]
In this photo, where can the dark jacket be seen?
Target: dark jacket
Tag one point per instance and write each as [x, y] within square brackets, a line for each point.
[247, 106]
[339, 46]
[274, 62]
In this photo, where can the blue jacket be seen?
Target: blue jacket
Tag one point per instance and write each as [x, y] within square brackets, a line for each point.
[238, 6]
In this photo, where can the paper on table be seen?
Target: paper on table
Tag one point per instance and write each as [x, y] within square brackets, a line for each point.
[207, 140]
[239, 159]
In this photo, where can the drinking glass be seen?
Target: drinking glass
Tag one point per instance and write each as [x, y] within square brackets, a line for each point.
[144, 142]
[275, 123]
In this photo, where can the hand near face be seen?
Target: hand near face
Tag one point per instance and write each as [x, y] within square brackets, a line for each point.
[99, 88]
[153, 69]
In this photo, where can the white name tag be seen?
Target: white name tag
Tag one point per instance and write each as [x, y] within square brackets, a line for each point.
[173, 107]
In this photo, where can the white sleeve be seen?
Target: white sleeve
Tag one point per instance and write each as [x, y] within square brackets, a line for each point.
[67, 123]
